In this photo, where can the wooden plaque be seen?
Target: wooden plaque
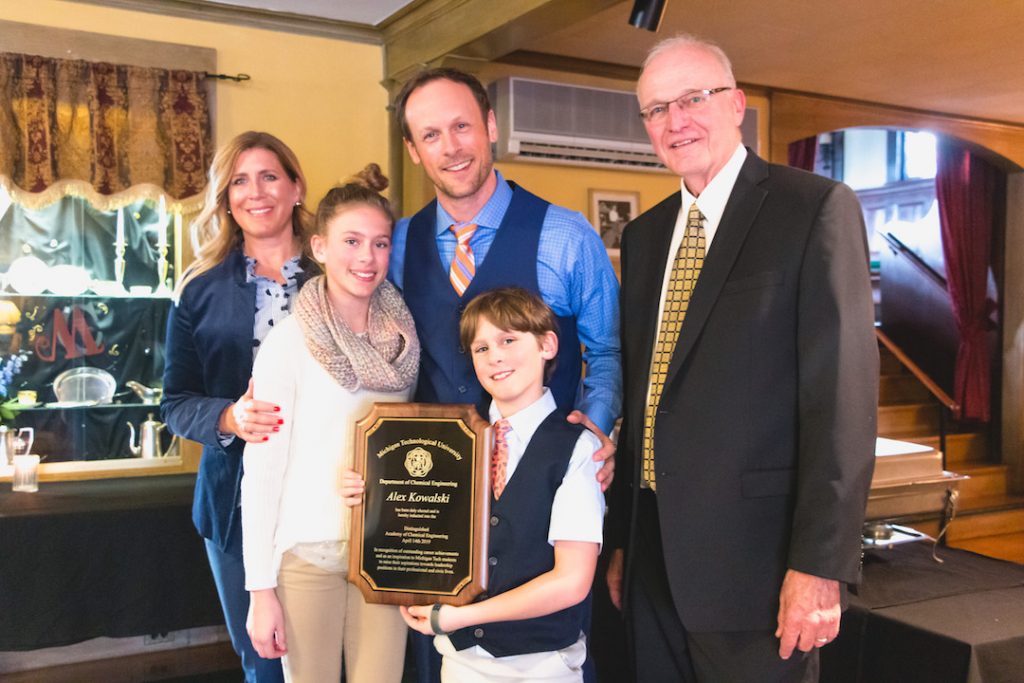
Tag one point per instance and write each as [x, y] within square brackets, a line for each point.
[420, 535]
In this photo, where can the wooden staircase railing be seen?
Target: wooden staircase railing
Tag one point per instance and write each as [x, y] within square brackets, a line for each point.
[945, 401]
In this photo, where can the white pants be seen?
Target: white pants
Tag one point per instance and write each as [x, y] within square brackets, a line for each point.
[324, 613]
[474, 665]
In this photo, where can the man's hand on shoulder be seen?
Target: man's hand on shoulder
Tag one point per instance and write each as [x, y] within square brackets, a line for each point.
[809, 612]
[605, 454]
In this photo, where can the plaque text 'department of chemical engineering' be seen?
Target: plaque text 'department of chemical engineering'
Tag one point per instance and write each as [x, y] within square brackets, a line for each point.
[421, 534]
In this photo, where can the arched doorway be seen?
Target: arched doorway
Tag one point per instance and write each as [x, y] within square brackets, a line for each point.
[893, 171]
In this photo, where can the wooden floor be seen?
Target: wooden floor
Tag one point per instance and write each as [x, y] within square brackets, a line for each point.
[206, 664]
[215, 663]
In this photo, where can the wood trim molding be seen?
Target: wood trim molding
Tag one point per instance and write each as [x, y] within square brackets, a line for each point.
[573, 65]
[478, 29]
[1012, 404]
[435, 29]
[934, 389]
[254, 18]
[799, 115]
[186, 461]
[59, 43]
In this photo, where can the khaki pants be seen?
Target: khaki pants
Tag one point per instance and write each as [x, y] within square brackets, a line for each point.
[323, 614]
[465, 666]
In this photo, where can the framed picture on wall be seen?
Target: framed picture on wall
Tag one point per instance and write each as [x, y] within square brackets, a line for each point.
[610, 210]
[755, 124]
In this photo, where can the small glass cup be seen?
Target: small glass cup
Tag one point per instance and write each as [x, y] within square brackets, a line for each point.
[26, 473]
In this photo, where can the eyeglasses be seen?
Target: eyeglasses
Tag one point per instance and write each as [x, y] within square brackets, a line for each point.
[691, 101]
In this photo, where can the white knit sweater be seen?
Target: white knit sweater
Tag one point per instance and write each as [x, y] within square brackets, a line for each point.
[290, 489]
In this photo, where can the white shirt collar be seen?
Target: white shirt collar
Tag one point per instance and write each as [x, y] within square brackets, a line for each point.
[526, 421]
[715, 196]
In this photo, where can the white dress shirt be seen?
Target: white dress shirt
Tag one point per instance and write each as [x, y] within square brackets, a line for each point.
[711, 203]
[577, 512]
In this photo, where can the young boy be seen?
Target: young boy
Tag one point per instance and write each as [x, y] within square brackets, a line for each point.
[546, 511]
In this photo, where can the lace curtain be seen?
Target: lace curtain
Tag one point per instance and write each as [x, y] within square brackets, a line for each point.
[110, 133]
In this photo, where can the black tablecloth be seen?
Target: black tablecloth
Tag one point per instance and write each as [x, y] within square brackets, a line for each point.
[908, 573]
[115, 558]
[915, 620]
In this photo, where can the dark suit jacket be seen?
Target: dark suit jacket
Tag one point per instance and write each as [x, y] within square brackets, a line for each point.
[208, 364]
[764, 440]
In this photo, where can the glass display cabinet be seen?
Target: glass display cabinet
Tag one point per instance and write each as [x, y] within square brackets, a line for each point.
[83, 314]
[85, 294]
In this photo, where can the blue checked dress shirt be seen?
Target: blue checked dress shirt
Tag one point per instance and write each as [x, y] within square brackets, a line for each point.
[575, 278]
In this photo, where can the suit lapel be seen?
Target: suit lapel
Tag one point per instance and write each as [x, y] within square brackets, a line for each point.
[647, 263]
[740, 212]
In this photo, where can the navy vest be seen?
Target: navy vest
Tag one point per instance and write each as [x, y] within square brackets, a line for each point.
[446, 370]
[518, 549]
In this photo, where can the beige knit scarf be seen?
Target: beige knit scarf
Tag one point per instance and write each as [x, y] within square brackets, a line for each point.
[386, 358]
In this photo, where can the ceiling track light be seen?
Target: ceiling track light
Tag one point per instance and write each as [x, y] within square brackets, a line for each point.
[647, 14]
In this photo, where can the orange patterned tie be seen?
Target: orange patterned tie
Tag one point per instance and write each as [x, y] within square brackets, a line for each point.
[463, 265]
[685, 269]
[499, 458]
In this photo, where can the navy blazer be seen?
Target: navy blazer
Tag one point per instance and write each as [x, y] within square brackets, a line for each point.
[209, 357]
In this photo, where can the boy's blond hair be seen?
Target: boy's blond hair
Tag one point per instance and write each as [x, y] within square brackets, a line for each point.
[509, 308]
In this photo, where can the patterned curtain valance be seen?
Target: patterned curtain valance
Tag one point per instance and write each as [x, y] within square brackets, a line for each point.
[111, 125]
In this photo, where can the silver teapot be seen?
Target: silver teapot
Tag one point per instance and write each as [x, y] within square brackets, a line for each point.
[148, 445]
[149, 395]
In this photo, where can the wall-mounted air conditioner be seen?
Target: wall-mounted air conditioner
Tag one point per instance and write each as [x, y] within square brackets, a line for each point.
[568, 124]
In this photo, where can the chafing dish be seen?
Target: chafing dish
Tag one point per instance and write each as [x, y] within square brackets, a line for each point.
[908, 484]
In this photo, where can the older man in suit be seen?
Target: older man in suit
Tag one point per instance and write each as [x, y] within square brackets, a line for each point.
[750, 397]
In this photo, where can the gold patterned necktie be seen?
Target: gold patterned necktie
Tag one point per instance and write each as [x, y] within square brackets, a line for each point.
[685, 269]
[499, 458]
[463, 264]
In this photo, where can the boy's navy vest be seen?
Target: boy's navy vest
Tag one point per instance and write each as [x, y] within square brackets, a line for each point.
[446, 369]
[518, 549]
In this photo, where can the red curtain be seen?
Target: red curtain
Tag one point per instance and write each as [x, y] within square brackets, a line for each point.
[803, 152]
[965, 186]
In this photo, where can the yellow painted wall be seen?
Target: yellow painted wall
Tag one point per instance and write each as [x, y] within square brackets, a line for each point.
[566, 186]
[321, 96]
[569, 185]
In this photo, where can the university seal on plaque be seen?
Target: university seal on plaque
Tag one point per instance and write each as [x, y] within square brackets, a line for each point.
[417, 462]
[420, 535]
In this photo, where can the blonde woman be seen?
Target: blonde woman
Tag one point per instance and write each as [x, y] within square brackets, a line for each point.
[249, 268]
[349, 342]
